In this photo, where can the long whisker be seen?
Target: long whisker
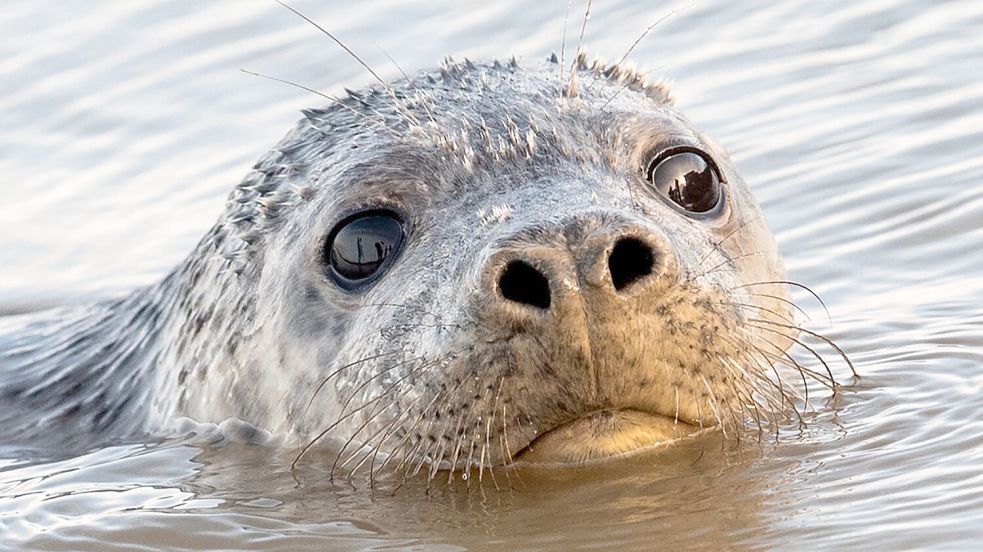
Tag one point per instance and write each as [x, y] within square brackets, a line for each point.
[626, 86]
[818, 336]
[780, 382]
[508, 447]
[328, 97]
[407, 115]
[378, 411]
[423, 102]
[783, 300]
[769, 399]
[729, 235]
[336, 41]
[713, 406]
[342, 417]
[351, 438]
[647, 31]
[563, 42]
[407, 457]
[339, 370]
[789, 283]
[729, 261]
[814, 375]
[392, 426]
[804, 372]
[635, 44]
[749, 306]
[384, 431]
[745, 396]
[572, 85]
[369, 380]
[406, 436]
[457, 446]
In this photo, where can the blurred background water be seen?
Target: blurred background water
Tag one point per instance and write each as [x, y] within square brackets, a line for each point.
[859, 125]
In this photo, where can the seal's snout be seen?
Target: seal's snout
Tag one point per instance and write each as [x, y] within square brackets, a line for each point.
[628, 261]
[541, 267]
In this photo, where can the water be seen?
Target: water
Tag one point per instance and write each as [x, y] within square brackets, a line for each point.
[859, 126]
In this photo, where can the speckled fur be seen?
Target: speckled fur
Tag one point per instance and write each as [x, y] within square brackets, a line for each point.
[486, 162]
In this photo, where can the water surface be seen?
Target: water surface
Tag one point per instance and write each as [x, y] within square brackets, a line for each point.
[859, 125]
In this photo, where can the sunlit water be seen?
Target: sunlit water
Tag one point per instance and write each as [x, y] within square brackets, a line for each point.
[858, 124]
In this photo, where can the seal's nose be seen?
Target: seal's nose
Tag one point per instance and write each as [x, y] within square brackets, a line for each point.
[630, 260]
[612, 262]
[521, 283]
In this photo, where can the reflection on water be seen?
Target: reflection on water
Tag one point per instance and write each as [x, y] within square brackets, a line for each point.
[858, 125]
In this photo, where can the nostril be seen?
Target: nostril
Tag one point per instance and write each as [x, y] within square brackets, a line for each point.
[631, 260]
[522, 283]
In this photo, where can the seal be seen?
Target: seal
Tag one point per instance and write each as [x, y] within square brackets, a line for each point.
[480, 264]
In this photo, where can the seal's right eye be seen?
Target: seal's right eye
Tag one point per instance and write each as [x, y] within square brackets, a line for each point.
[362, 247]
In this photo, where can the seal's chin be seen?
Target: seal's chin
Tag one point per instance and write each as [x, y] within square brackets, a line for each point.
[602, 435]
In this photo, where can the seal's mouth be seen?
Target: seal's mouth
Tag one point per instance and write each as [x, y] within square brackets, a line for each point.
[603, 435]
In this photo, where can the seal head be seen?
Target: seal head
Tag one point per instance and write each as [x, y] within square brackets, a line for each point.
[457, 265]
[480, 264]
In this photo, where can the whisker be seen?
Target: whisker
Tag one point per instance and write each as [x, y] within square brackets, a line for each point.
[636, 43]
[818, 336]
[626, 86]
[647, 31]
[563, 42]
[793, 284]
[675, 421]
[730, 260]
[457, 445]
[713, 405]
[755, 307]
[735, 372]
[372, 469]
[407, 409]
[572, 85]
[832, 382]
[508, 448]
[328, 97]
[342, 417]
[413, 87]
[780, 382]
[729, 235]
[406, 115]
[379, 374]
[339, 370]
[413, 428]
[437, 456]
[374, 450]
[783, 300]
[351, 438]
[803, 371]
[491, 469]
[467, 468]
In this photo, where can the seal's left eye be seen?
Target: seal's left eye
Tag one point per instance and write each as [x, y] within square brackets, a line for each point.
[687, 178]
[362, 246]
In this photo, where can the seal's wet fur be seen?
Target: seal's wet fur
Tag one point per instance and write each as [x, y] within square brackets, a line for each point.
[430, 367]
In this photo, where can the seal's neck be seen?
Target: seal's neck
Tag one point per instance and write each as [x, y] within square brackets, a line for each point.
[81, 375]
[210, 303]
[122, 367]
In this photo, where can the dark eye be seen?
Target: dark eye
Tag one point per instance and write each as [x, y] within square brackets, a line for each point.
[362, 246]
[687, 178]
